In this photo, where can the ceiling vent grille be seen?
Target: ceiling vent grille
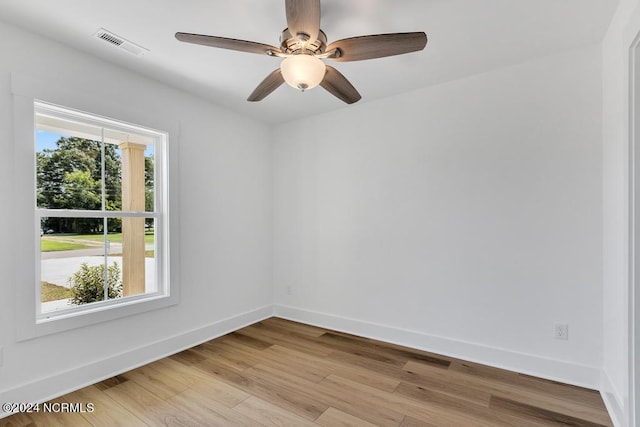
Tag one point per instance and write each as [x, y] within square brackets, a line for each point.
[117, 41]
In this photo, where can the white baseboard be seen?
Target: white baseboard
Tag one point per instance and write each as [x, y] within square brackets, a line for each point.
[552, 369]
[613, 401]
[66, 382]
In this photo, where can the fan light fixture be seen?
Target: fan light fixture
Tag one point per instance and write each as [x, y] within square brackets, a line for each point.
[303, 71]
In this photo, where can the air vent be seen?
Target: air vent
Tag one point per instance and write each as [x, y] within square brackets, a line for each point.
[110, 38]
[117, 41]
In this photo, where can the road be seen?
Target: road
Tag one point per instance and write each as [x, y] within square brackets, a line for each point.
[115, 248]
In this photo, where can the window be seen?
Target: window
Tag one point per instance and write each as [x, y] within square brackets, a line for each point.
[100, 213]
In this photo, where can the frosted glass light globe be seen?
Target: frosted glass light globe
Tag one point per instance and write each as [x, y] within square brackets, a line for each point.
[302, 71]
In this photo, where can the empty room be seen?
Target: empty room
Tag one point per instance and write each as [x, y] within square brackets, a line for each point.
[320, 212]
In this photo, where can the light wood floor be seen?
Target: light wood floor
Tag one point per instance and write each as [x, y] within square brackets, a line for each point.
[281, 373]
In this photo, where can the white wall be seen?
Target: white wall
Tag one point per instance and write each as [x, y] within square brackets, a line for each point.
[463, 218]
[224, 231]
[617, 356]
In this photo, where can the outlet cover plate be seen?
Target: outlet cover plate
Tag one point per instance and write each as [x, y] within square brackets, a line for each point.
[561, 331]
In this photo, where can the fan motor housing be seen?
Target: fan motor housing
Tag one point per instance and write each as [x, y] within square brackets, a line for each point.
[301, 43]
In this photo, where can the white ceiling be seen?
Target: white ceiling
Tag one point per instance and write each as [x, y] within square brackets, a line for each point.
[465, 37]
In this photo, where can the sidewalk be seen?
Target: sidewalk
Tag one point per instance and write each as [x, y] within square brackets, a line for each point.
[58, 270]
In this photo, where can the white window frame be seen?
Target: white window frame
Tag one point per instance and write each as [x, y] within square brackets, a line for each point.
[159, 139]
[26, 93]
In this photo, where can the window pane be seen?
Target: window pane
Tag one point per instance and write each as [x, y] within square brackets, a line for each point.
[133, 250]
[149, 178]
[137, 176]
[71, 264]
[151, 284]
[129, 177]
[68, 171]
[114, 258]
[113, 177]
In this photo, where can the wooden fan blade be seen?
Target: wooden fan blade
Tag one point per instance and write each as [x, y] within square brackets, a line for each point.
[268, 85]
[377, 46]
[303, 16]
[226, 43]
[338, 85]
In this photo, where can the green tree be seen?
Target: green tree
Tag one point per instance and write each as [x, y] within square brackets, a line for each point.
[70, 177]
[79, 191]
[149, 187]
[148, 181]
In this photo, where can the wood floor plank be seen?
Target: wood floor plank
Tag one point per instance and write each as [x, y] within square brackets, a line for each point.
[390, 371]
[368, 403]
[265, 388]
[554, 404]
[178, 371]
[156, 379]
[110, 382]
[286, 359]
[414, 422]
[149, 407]
[228, 354]
[188, 357]
[523, 411]
[507, 390]
[222, 371]
[345, 344]
[208, 411]
[256, 343]
[563, 391]
[279, 372]
[398, 350]
[443, 384]
[360, 405]
[354, 404]
[312, 373]
[333, 417]
[285, 394]
[107, 412]
[438, 395]
[430, 411]
[355, 373]
[376, 351]
[17, 420]
[312, 331]
[285, 340]
[224, 393]
[270, 415]
[450, 404]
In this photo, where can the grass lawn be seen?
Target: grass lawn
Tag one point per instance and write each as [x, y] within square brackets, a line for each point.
[51, 292]
[68, 242]
[113, 237]
[51, 245]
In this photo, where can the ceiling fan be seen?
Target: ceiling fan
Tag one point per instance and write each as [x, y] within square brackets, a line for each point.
[304, 45]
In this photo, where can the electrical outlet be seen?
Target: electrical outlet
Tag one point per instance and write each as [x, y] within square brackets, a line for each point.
[289, 290]
[561, 331]
[1, 357]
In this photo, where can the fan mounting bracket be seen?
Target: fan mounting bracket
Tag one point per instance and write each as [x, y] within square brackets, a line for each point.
[302, 43]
